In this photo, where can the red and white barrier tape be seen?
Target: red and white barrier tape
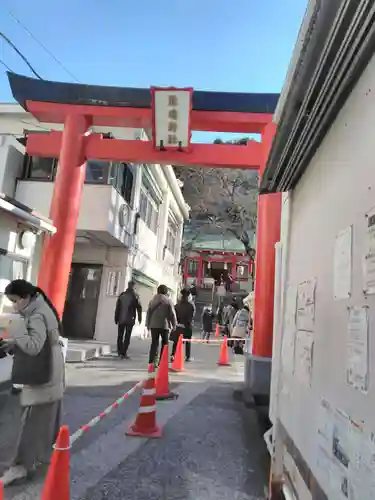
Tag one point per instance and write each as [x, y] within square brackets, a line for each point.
[82, 430]
[202, 341]
[213, 340]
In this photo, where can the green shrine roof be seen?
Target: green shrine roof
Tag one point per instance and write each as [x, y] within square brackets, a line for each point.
[215, 242]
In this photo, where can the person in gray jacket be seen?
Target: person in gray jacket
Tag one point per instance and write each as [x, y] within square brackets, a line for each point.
[37, 324]
[160, 319]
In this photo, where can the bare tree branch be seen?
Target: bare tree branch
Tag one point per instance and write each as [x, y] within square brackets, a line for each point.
[222, 200]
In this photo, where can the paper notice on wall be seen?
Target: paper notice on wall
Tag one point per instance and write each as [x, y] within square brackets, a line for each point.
[357, 368]
[325, 426]
[341, 444]
[306, 293]
[306, 305]
[356, 437]
[333, 451]
[369, 255]
[289, 330]
[324, 464]
[303, 357]
[345, 458]
[306, 318]
[362, 463]
[339, 483]
[291, 304]
[342, 264]
[345, 455]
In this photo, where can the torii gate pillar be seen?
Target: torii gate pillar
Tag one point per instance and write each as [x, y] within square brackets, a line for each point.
[268, 234]
[58, 250]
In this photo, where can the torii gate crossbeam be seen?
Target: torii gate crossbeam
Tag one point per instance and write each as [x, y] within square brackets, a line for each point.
[95, 146]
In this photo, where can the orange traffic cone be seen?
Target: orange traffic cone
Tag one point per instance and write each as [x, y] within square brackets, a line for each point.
[145, 424]
[178, 362]
[223, 359]
[162, 379]
[217, 331]
[57, 483]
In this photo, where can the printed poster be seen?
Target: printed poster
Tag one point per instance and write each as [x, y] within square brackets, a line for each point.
[306, 305]
[362, 465]
[345, 455]
[325, 426]
[289, 330]
[369, 257]
[303, 357]
[357, 370]
[341, 451]
[342, 264]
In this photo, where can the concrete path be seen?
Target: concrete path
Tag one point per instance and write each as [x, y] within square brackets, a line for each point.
[211, 446]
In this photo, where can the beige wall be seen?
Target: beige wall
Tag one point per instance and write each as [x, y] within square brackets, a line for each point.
[112, 259]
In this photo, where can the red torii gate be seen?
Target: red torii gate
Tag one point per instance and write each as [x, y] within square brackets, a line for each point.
[79, 107]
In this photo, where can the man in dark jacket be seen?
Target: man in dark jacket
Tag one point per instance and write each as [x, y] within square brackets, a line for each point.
[193, 292]
[208, 317]
[185, 312]
[128, 307]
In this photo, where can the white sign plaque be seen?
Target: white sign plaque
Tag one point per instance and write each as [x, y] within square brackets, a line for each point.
[342, 264]
[171, 117]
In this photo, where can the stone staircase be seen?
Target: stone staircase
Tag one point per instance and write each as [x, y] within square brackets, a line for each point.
[204, 298]
[83, 350]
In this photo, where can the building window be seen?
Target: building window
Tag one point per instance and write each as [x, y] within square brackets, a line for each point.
[39, 168]
[113, 283]
[127, 182]
[121, 178]
[11, 268]
[149, 210]
[143, 206]
[97, 172]
[171, 242]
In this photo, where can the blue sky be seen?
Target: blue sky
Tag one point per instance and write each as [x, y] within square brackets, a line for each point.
[227, 45]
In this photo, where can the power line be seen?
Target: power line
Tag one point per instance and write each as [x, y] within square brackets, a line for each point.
[15, 18]
[9, 42]
[6, 66]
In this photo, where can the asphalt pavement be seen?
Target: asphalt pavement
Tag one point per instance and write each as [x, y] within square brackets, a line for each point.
[211, 447]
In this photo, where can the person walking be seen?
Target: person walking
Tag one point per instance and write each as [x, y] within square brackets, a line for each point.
[38, 365]
[220, 313]
[160, 319]
[228, 317]
[128, 306]
[193, 293]
[228, 283]
[185, 312]
[240, 329]
[208, 317]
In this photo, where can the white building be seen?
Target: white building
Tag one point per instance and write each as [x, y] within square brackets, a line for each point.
[21, 229]
[130, 226]
[323, 378]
